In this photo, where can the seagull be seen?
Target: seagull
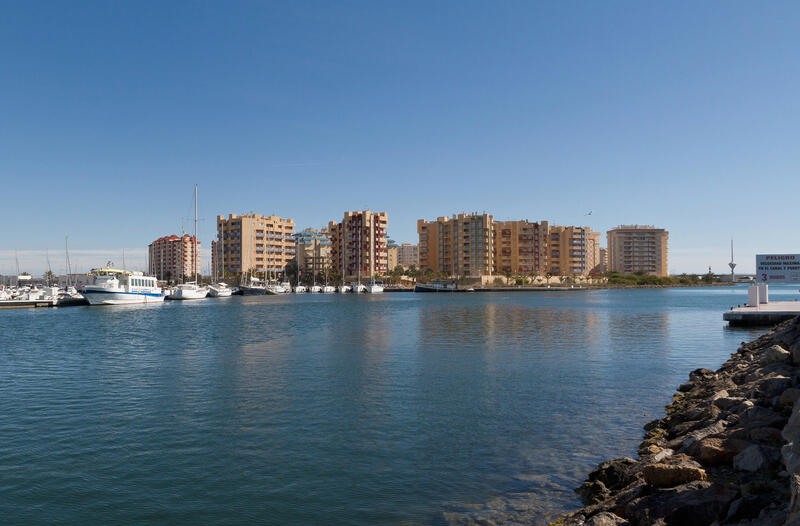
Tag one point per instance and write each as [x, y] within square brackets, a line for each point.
[589, 213]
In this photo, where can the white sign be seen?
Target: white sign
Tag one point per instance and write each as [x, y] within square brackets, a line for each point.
[778, 268]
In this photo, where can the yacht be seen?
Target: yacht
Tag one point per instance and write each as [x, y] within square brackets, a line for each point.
[328, 289]
[299, 289]
[344, 289]
[315, 289]
[286, 287]
[375, 287]
[219, 290]
[188, 291]
[110, 286]
[255, 287]
[359, 288]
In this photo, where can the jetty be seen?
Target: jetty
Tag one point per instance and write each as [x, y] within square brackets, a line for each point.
[727, 451]
[759, 311]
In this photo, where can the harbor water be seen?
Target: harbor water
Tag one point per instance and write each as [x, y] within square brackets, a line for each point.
[339, 409]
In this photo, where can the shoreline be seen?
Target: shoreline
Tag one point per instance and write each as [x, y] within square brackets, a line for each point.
[727, 450]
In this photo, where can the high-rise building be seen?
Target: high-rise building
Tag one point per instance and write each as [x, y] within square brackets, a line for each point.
[567, 250]
[638, 248]
[520, 247]
[253, 243]
[171, 258]
[461, 245]
[391, 255]
[358, 244]
[313, 251]
[592, 251]
[407, 255]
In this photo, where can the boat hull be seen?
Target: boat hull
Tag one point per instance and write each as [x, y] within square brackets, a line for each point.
[104, 297]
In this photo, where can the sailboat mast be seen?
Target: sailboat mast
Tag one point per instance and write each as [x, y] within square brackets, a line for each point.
[194, 241]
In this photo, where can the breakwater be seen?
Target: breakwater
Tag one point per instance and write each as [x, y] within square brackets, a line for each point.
[726, 452]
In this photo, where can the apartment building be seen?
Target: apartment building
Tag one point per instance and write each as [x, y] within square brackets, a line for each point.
[568, 250]
[407, 255]
[173, 258]
[593, 251]
[313, 251]
[461, 245]
[263, 245]
[520, 247]
[359, 244]
[638, 248]
[391, 255]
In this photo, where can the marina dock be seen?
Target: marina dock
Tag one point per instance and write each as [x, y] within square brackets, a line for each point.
[764, 314]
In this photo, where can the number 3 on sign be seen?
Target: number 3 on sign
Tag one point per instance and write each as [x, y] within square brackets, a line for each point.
[763, 277]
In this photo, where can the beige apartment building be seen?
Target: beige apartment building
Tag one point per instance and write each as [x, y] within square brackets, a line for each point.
[313, 251]
[391, 257]
[520, 247]
[568, 250]
[593, 251]
[461, 245]
[638, 248]
[263, 245]
[359, 244]
[407, 255]
[171, 257]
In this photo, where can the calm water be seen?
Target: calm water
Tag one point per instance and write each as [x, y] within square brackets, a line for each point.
[387, 409]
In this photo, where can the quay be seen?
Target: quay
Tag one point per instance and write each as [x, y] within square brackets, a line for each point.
[27, 304]
[763, 315]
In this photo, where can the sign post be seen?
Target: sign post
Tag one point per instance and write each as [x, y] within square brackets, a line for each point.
[778, 268]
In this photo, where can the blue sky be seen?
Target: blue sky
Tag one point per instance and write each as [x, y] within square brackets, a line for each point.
[682, 115]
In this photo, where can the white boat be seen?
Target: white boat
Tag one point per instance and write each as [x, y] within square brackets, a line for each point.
[188, 291]
[315, 289]
[274, 288]
[344, 289]
[286, 286]
[328, 289]
[220, 290]
[375, 287]
[300, 289]
[110, 286]
[359, 288]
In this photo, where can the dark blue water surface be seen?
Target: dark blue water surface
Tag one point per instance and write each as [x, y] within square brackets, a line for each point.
[312, 409]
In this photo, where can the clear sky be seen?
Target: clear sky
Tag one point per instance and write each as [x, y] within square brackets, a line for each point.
[684, 115]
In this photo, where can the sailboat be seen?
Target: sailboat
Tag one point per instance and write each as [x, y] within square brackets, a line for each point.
[190, 290]
[220, 289]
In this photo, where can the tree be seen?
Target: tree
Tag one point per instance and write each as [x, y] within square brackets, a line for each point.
[49, 277]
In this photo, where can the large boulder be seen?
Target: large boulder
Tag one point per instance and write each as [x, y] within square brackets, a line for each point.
[776, 354]
[698, 503]
[715, 451]
[664, 475]
[605, 518]
[751, 459]
[609, 476]
[758, 416]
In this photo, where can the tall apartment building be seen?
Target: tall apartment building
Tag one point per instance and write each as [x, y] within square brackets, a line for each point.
[313, 252]
[359, 244]
[254, 243]
[568, 250]
[391, 254]
[520, 247]
[592, 251]
[407, 255]
[638, 248]
[461, 245]
[171, 257]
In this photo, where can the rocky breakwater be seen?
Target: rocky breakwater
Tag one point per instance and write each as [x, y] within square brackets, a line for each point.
[727, 451]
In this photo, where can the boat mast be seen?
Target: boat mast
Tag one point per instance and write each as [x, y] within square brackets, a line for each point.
[49, 270]
[66, 250]
[194, 241]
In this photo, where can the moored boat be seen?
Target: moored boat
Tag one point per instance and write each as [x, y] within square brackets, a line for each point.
[110, 286]
[188, 291]
[219, 290]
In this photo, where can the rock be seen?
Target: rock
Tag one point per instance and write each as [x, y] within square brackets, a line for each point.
[664, 475]
[766, 434]
[751, 459]
[728, 402]
[605, 518]
[661, 455]
[774, 386]
[776, 354]
[791, 431]
[761, 417]
[610, 475]
[747, 507]
[720, 394]
[701, 375]
[714, 429]
[796, 354]
[790, 396]
[714, 451]
[698, 503]
[686, 387]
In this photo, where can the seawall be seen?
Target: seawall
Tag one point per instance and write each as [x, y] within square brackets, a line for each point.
[726, 452]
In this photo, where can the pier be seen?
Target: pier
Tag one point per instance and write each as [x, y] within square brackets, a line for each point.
[763, 315]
